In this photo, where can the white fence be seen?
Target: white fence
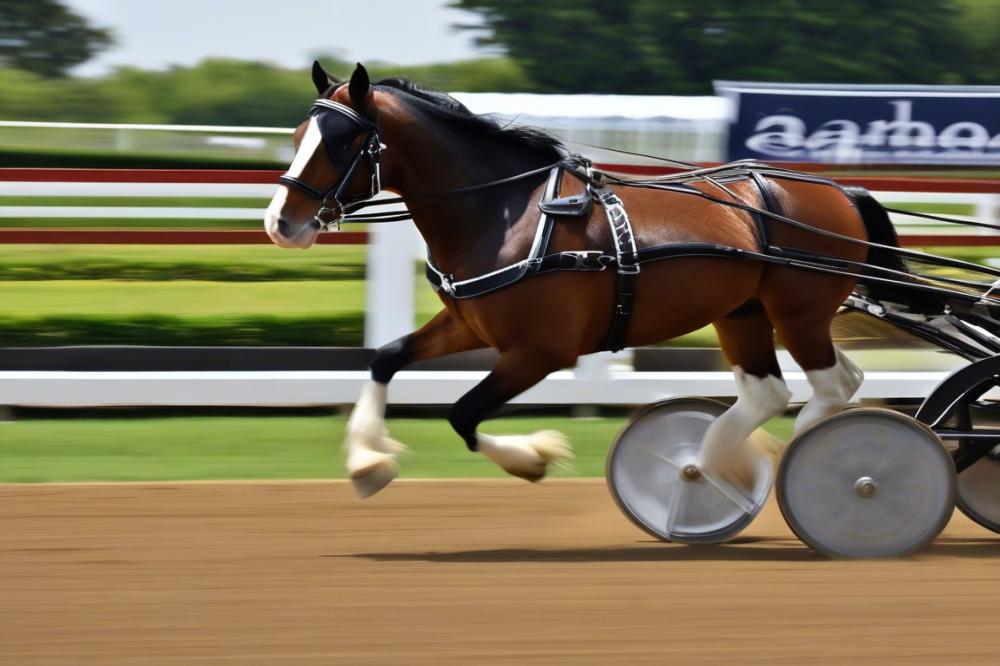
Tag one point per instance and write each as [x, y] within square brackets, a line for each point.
[624, 387]
[598, 379]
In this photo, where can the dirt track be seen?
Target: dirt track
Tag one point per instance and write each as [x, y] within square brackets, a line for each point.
[454, 572]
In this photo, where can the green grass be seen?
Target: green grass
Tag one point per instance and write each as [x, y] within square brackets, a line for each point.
[239, 263]
[264, 447]
[181, 297]
[185, 312]
[345, 330]
[937, 208]
[182, 313]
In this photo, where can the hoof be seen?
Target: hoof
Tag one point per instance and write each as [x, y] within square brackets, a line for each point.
[534, 475]
[371, 471]
[527, 456]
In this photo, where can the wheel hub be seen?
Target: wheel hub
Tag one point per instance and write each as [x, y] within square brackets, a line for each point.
[690, 473]
[866, 487]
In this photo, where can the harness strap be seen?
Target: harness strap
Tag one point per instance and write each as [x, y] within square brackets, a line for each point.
[627, 258]
[537, 261]
[770, 205]
[583, 260]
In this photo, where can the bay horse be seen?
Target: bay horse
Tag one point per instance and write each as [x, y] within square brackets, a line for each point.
[393, 135]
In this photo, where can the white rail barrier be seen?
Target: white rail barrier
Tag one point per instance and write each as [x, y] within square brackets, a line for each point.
[391, 286]
[86, 389]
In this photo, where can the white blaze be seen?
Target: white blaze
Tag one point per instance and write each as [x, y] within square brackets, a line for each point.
[311, 142]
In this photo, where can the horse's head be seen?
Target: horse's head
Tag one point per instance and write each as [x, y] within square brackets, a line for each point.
[336, 161]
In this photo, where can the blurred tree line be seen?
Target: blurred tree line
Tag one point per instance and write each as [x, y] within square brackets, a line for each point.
[627, 46]
[218, 92]
[680, 46]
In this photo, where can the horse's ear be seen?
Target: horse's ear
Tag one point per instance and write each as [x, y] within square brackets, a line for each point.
[360, 87]
[321, 79]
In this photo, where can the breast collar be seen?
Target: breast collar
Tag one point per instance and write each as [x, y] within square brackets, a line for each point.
[334, 121]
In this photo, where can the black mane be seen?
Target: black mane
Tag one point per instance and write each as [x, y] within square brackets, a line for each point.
[447, 108]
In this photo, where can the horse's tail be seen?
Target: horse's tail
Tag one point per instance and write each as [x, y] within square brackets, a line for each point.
[881, 231]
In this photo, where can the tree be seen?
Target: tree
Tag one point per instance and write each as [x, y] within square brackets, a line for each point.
[44, 37]
[680, 46]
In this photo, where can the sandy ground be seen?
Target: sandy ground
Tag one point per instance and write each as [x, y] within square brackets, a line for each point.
[454, 572]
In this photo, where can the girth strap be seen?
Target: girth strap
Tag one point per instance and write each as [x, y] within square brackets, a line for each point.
[586, 260]
[537, 261]
[627, 258]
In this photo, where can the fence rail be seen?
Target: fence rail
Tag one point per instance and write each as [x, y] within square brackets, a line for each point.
[390, 284]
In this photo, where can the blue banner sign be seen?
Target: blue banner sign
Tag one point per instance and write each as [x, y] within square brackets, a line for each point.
[864, 124]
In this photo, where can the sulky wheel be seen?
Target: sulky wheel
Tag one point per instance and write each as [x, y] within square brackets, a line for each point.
[866, 483]
[960, 403]
[654, 476]
[979, 492]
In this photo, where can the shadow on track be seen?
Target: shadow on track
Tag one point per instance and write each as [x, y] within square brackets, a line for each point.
[747, 549]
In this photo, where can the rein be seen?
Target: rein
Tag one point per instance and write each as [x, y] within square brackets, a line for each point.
[334, 211]
[331, 118]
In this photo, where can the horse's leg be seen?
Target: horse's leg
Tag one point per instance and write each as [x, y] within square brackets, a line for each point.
[371, 453]
[748, 344]
[832, 376]
[526, 456]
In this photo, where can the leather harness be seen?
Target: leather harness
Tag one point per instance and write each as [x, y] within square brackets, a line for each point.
[337, 121]
[627, 258]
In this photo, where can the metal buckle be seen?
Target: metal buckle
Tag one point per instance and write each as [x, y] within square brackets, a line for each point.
[628, 269]
[447, 283]
[585, 260]
[325, 222]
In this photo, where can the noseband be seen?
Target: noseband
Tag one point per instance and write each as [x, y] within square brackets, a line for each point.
[331, 118]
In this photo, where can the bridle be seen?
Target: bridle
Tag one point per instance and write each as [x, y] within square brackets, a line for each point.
[330, 118]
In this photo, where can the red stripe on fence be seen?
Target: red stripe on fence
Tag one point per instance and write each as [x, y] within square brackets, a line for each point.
[193, 176]
[247, 237]
[270, 177]
[874, 183]
[159, 237]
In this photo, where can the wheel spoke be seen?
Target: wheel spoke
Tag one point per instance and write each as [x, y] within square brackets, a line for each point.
[660, 456]
[674, 510]
[733, 494]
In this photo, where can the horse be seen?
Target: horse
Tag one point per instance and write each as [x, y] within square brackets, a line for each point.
[436, 155]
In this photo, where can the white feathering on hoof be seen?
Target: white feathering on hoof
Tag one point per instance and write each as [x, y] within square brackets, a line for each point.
[371, 453]
[769, 445]
[728, 450]
[526, 456]
[370, 471]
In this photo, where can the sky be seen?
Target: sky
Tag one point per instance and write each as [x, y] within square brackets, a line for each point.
[154, 34]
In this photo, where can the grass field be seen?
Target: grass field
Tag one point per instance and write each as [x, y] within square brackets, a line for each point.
[265, 447]
[181, 297]
[179, 294]
[229, 263]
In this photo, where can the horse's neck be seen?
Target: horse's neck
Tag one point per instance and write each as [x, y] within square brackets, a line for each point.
[470, 227]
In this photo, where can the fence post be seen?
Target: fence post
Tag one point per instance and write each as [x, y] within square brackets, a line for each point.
[389, 284]
[987, 209]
